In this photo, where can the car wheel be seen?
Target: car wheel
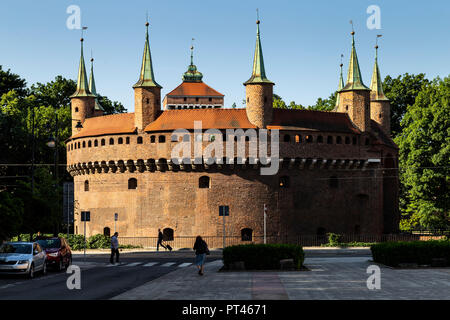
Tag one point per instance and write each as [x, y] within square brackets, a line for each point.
[31, 272]
[61, 264]
[44, 269]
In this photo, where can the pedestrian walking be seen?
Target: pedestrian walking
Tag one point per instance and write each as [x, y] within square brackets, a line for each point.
[201, 250]
[160, 240]
[114, 248]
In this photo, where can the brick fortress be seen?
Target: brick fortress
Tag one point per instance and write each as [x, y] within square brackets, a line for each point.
[338, 169]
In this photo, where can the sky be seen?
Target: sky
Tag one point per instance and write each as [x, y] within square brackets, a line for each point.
[302, 42]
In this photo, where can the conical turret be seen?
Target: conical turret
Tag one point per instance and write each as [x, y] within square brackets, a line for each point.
[354, 98]
[380, 107]
[147, 92]
[259, 89]
[82, 101]
[97, 108]
[146, 77]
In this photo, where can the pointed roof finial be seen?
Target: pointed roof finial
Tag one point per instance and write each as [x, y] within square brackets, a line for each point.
[258, 71]
[376, 85]
[82, 83]
[354, 79]
[146, 77]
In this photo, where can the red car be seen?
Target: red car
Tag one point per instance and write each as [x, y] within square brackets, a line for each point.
[58, 252]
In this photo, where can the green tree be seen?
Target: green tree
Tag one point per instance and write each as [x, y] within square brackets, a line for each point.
[402, 92]
[11, 213]
[424, 144]
[278, 102]
[11, 81]
[325, 104]
[111, 107]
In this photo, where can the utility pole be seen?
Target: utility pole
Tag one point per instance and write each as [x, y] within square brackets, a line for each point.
[265, 217]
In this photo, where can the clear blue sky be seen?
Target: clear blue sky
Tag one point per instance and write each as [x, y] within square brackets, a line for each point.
[302, 42]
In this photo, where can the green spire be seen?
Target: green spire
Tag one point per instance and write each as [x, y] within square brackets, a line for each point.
[82, 83]
[192, 75]
[92, 88]
[146, 78]
[354, 79]
[340, 87]
[258, 72]
[376, 84]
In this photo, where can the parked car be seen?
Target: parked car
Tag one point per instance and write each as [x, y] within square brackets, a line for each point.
[22, 258]
[58, 252]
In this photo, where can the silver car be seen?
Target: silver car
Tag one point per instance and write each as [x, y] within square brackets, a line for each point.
[22, 258]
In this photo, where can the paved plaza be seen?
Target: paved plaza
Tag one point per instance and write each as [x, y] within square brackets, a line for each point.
[328, 278]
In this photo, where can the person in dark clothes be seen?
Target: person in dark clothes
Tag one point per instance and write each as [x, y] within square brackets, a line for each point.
[114, 248]
[201, 250]
[160, 240]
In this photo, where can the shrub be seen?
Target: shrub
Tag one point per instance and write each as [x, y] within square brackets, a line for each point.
[263, 256]
[333, 239]
[76, 241]
[420, 252]
[99, 241]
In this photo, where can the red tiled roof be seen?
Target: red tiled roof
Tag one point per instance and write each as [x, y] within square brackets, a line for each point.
[110, 124]
[286, 119]
[211, 118]
[194, 89]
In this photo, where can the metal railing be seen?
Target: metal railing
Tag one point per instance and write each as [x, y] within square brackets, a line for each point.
[187, 242]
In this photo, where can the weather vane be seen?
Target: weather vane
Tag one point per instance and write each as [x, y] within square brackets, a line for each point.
[351, 22]
[342, 56]
[376, 40]
[82, 31]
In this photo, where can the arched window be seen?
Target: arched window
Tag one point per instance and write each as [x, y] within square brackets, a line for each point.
[204, 182]
[347, 140]
[246, 234]
[152, 139]
[354, 140]
[330, 139]
[120, 141]
[132, 183]
[334, 182]
[76, 109]
[84, 144]
[309, 138]
[186, 138]
[127, 140]
[139, 140]
[298, 138]
[174, 138]
[287, 138]
[86, 185]
[339, 140]
[89, 143]
[111, 141]
[168, 234]
[95, 143]
[106, 232]
[284, 182]
[103, 142]
[162, 139]
[75, 144]
[79, 146]
[319, 139]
